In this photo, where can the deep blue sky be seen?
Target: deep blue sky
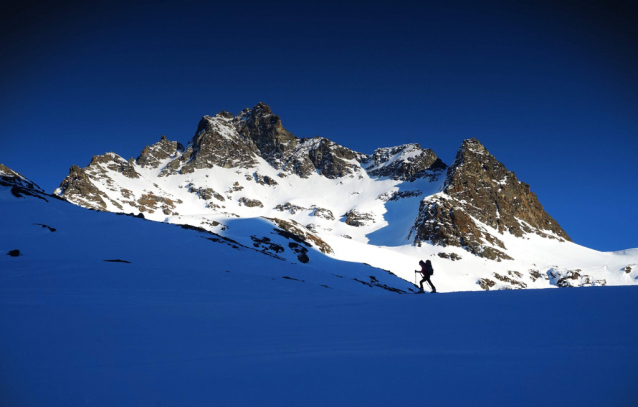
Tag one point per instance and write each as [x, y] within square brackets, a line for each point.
[550, 88]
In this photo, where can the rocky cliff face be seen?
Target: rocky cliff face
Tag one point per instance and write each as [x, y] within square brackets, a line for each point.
[153, 156]
[479, 191]
[274, 143]
[478, 202]
[406, 163]
[229, 141]
[20, 185]
[292, 155]
[216, 143]
[10, 178]
[79, 189]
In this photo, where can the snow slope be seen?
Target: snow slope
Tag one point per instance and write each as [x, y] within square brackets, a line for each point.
[364, 218]
[189, 321]
[51, 233]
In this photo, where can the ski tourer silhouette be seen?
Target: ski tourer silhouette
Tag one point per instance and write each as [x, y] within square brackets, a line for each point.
[426, 271]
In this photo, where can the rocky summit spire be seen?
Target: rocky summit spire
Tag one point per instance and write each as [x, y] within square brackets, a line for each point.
[216, 143]
[478, 200]
[263, 132]
[19, 184]
[265, 129]
[407, 162]
[10, 178]
[153, 156]
[79, 189]
[478, 188]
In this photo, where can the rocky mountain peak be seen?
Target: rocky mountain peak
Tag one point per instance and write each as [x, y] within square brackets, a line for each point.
[479, 188]
[470, 150]
[479, 202]
[473, 145]
[8, 177]
[78, 188]
[406, 162]
[225, 114]
[216, 143]
[111, 161]
[265, 129]
[208, 124]
[282, 150]
[154, 155]
[260, 110]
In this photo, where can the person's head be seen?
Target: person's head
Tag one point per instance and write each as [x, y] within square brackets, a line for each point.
[421, 263]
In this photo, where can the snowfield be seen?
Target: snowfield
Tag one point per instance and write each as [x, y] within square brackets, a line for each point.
[383, 239]
[262, 277]
[181, 317]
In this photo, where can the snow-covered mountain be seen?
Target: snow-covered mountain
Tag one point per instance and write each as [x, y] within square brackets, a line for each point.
[105, 310]
[481, 226]
[18, 183]
[44, 230]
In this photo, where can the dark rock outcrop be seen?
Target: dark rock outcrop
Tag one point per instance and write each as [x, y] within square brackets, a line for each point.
[152, 156]
[216, 143]
[10, 178]
[535, 275]
[265, 180]
[266, 131]
[251, 203]
[293, 230]
[407, 162]
[572, 278]
[288, 207]
[150, 202]
[357, 218]
[449, 256]
[330, 159]
[496, 197]
[281, 149]
[20, 185]
[478, 187]
[322, 213]
[79, 189]
[486, 283]
[509, 279]
[115, 163]
[397, 195]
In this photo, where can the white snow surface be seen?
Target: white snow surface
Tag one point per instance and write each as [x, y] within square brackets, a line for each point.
[189, 321]
[384, 235]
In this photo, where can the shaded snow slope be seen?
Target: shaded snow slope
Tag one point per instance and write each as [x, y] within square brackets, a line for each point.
[187, 317]
[379, 213]
[51, 234]
[126, 334]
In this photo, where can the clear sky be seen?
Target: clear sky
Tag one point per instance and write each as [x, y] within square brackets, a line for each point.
[549, 87]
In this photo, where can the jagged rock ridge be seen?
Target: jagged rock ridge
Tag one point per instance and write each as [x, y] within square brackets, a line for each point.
[479, 191]
[229, 141]
[407, 163]
[478, 201]
[8, 177]
[21, 186]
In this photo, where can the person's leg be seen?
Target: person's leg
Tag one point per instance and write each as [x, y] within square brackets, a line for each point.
[431, 285]
[421, 283]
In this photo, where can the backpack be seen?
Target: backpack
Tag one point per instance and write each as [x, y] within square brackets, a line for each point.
[428, 269]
